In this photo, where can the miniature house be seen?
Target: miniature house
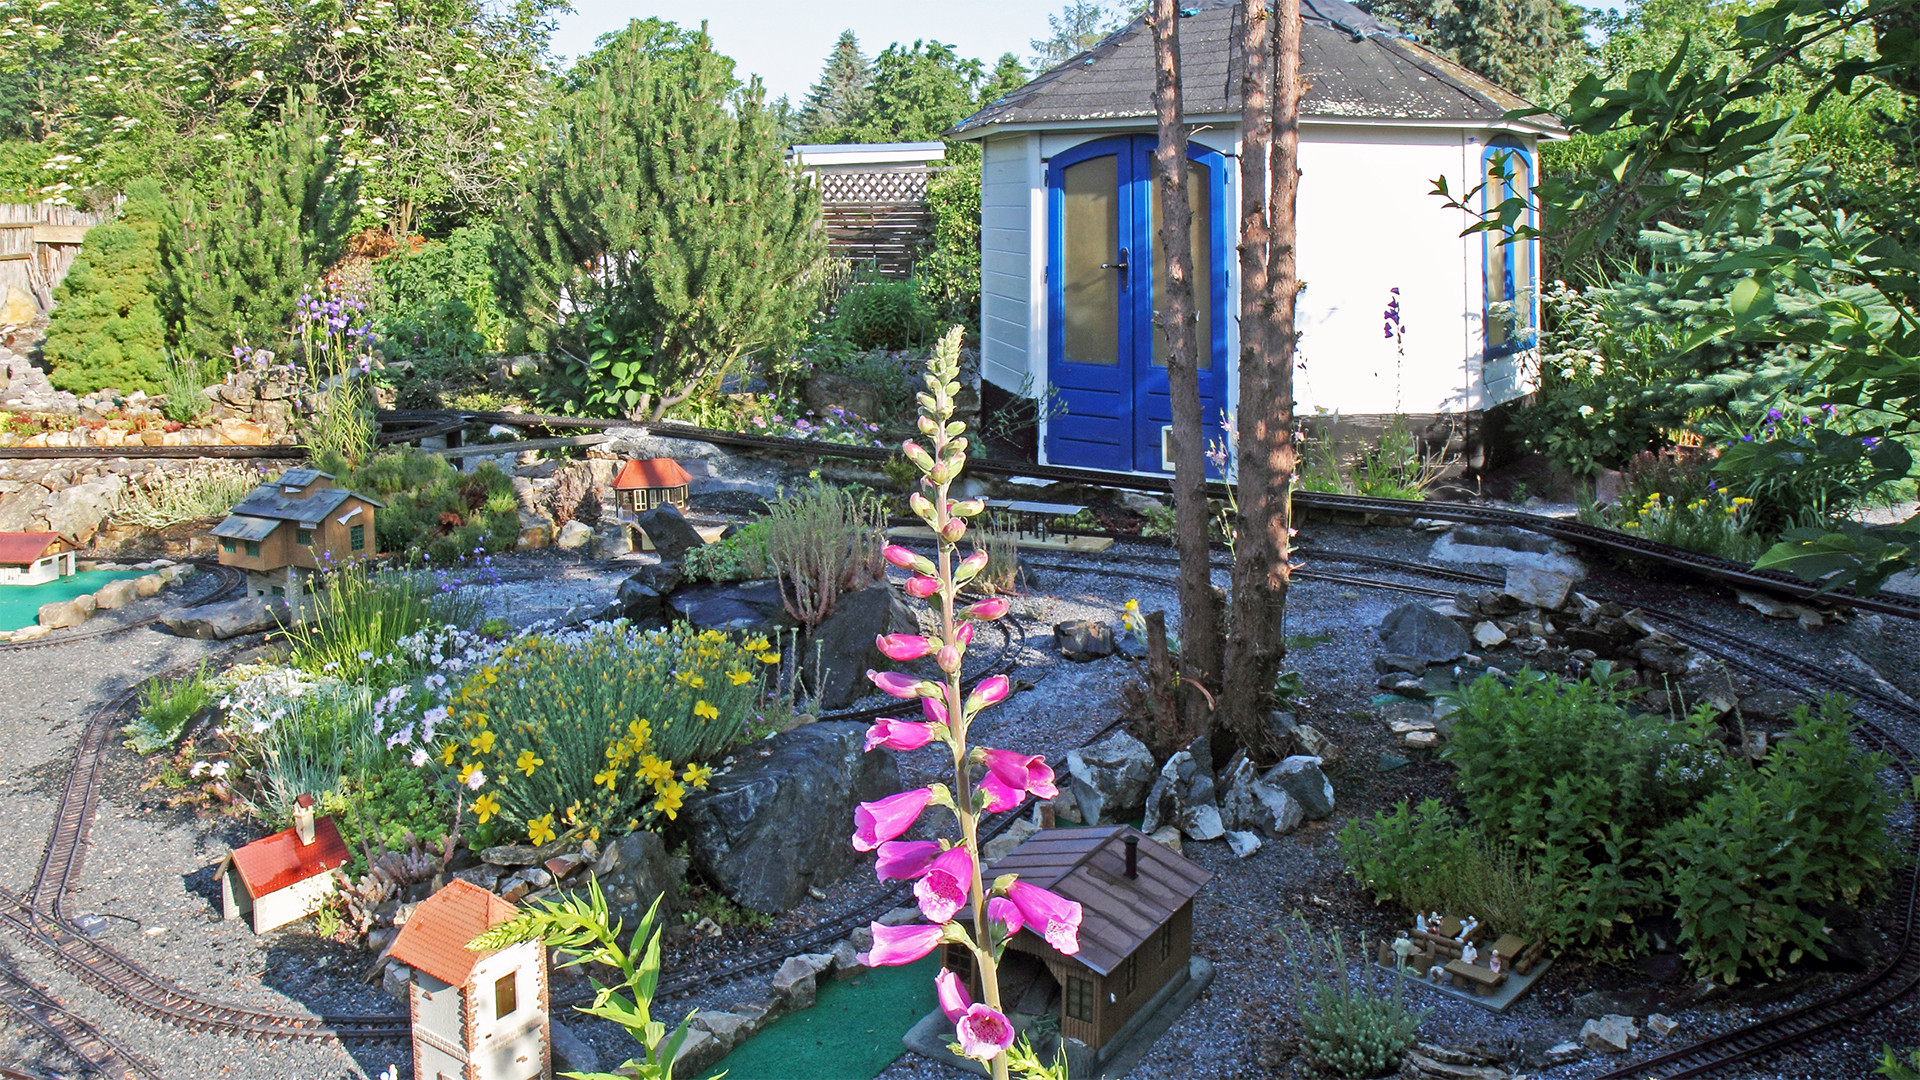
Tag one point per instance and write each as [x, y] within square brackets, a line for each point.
[476, 1015]
[292, 526]
[1070, 260]
[285, 876]
[1136, 932]
[33, 558]
[643, 485]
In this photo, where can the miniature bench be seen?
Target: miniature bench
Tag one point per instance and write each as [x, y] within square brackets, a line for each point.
[1481, 979]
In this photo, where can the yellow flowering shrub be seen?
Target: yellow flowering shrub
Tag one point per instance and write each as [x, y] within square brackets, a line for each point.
[596, 731]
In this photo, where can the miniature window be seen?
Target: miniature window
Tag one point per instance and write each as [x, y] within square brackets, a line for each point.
[1130, 975]
[227, 545]
[357, 537]
[506, 996]
[253, 549]
[1079, 999]
[303, 537]
[1166, 941]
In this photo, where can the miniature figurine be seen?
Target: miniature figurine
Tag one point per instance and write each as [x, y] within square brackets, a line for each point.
[1468, 954]
[1420, 921]
[1403, 947]
[1466, 928]
[1436, 972]
[1433, 923]
[1494, 963]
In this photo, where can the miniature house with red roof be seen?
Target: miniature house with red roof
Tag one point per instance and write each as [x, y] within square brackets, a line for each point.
[645, 484]
[476, 1015]
[285, 876]
[33, 558]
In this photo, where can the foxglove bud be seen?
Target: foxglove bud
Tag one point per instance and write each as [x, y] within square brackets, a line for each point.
[967, 508]
[916, 454]
[953, 530]
[921, 586]
[948, 658]
[970, 566]
[963, 634]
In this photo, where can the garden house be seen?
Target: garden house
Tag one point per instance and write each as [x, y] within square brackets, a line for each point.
[292, 526]
[1070, 266]
[476, 1015]
[33, 558]
[285, 876]
[1136, 930]
[645, 484]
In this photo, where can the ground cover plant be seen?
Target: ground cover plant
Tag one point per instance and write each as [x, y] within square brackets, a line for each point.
[1351, 1025]
[204, 489]
[165, 707]
[1583, 815]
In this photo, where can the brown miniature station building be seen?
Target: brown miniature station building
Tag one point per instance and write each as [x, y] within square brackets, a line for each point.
[476, 1015]
[1136, 934]
[293, 526]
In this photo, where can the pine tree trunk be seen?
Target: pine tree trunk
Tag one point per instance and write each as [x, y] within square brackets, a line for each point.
[1269, 287]
[1200, 641]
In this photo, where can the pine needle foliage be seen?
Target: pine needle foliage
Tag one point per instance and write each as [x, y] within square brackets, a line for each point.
[106, 328]
[663, 236]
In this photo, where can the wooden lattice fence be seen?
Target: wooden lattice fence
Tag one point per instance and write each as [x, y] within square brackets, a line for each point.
[38, 244]
[877, 217]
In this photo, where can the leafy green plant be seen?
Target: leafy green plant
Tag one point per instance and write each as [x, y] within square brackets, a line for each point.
[184, 384]
[1350, 1026]
[203, 489]
[882, 314]
[824, 541]
[106, 328]
[739, 556]
[1427, 859]
[165, 707]
[434, 511]
[949, 273]
[580, 927]
[1893, 1068]
[704, 903]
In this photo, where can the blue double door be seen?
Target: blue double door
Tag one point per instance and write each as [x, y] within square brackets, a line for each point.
[1106, 353]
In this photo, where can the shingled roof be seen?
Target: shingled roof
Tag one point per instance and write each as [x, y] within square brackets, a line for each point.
[434, 940]
[24, 548]
[1357, 69]
[1118, 913]
[651, 473]
[271, 501]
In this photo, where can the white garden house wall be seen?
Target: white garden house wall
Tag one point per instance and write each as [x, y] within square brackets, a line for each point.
[1384, 118]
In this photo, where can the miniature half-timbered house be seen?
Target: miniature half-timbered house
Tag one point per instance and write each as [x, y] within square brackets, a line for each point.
[1136, 931]
[476, 1015]
[285, 876]
[645, 484]
[34, 558]
[293, 526]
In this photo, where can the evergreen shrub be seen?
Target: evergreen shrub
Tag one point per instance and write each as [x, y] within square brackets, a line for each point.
[106, 328]
[881, 314]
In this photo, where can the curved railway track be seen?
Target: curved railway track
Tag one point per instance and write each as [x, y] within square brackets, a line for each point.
[98, 1053]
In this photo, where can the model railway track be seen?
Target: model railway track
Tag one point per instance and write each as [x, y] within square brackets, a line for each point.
[100, 1055]
[219, 582]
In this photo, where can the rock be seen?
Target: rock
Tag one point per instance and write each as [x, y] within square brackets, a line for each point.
[573, 536]
[63, 614]
[76, 512]
[1541, 589]
[699, 1050]
[114, 595]
[661, 577]
[826, 389]
[18, 512]
[1421, 740]
[218, 622]
[1124, 642]
[148, 585]
[19, 310]
[1201, 822]
[840, 651]
[1301, 777]
[238, 432]
[30, 633]
[730, 1028]
[1661, 1025]
[1599, 1003]
[1781, 609]
[1168, 837]
[1408, 727]
[1487, 636]
[845, 956]
[1419, 1065]
[515, 856]
[1163, 799]
[794, 983]
[1110, 778]
[1771, 706]
[1242, 843]
[612, 544]
[484, 876]
[396, 981]
[1608, 1034]
[777, 822]
[1142, 503]
[1065, 807]
[669, 532]
[1561, 1053]
[640, 603]
[635, 872]
[1081, 641]
[1705, 680]
[1315, 743]
[1016, 834]
[1388, 663]
[1415, 630]
[746, 607]
[570, 1052]
[1237, 801]
[1274, 812]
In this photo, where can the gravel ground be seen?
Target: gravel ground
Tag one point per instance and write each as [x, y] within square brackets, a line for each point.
[151, 867]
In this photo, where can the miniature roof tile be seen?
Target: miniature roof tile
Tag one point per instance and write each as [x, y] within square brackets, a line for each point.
[269, 501]
[238, 527]
[1356, 68]
[434, 940]
[299, 478]
[1089, 866]
[651, 473]
[23, 548]
[275, 862]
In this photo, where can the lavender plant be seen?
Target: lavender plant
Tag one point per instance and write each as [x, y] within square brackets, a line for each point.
[333, 335]
[947, 874]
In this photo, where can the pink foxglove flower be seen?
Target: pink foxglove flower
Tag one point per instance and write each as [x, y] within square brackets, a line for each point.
[984, 1034]
[944, 890]
[953, 530]
[970, 566]
[899, 734]
[1001, 796]
[900, 944]
[921, 586]
[986, 692]
[1027, 772]
[987, 610]
[963, 634]
[951, 990]
[1054, 916]
[901, 685]
[903, 647]
[905, 860]
[877, 822]
[935, 709]
[901, 557]
[1003, 916]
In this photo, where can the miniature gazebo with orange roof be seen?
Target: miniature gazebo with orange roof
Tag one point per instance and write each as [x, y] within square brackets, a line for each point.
[646, 483]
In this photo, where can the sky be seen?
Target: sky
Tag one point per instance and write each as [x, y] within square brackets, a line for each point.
[786, 42]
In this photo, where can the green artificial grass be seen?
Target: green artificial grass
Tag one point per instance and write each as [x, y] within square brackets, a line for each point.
[852, 1032]
[20, 604]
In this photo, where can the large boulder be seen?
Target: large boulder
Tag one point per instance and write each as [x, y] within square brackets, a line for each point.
[218, 622]
[1111, 777]
[635, 871]
[826, 389]
[1080, 640]
[640, 602]
[840, 651]
[76, 512]
[1270, 810]
[114, 594]
[746, 606]
[20, 510]
[1541, 589]
[1300, 777]
[777, 822]
[670, 533]
[1417, 631]
[62, 614]
[573, 536]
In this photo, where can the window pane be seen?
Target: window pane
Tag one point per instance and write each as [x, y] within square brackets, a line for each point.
[1200, 198]
[506, 996]
[1091, 231]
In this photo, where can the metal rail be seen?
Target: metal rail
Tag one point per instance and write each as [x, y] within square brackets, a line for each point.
[98, 1053]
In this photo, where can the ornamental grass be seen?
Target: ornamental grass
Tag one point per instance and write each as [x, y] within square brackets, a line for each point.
[583, 732]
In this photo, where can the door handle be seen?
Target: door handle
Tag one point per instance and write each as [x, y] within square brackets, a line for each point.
[1119, 263]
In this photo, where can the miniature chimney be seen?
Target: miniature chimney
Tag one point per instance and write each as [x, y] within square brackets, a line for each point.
[1133, 856]
[303, 822]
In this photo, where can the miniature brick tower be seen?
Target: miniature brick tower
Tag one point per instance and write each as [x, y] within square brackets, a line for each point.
[476, 1015]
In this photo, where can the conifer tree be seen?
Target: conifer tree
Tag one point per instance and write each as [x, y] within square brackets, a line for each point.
[106, 328]
[235, 258]
[1512, 42]
[663, 236]
[838, 96]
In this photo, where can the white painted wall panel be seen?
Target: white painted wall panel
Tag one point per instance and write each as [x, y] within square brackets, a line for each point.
[1006, 258]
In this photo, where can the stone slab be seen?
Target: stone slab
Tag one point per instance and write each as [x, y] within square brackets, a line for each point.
[1503, 995]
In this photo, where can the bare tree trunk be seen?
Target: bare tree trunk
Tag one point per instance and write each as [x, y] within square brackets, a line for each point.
[1200, 640]
[1269, 287]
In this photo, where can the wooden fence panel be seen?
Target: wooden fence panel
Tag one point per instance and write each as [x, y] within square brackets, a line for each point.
[38, 244]
[877, 218]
